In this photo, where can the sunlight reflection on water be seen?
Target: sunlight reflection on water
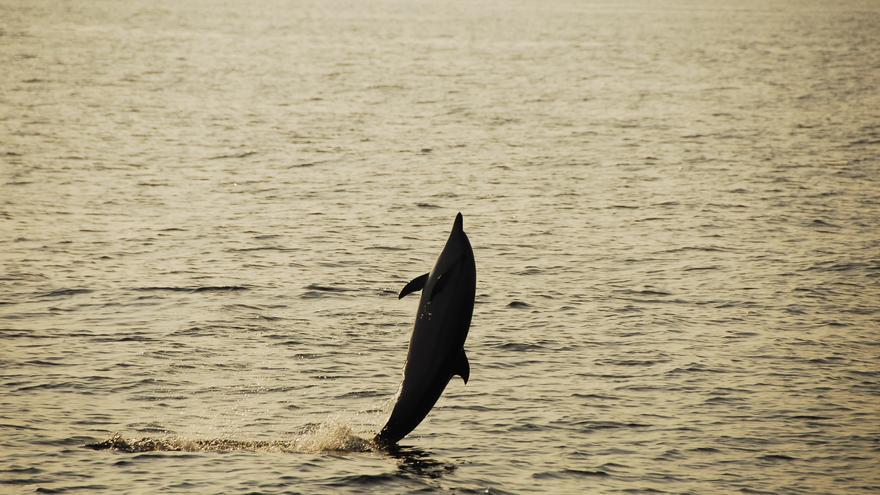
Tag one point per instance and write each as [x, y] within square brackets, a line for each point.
[207, 211]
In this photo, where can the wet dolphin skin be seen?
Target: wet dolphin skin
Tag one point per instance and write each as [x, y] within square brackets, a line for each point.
[436, 348]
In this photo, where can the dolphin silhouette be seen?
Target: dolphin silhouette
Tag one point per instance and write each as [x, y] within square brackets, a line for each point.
[436, 348]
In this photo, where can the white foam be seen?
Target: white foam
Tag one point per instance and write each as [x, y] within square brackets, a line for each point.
[323, 437]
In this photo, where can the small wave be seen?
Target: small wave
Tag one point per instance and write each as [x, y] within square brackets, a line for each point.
[49, 386]
[65, 292]
[776, 457]
[591, 425]
[631, 362]
[519, 346]
[22, 276]
[710, 450]
[864, 141]
[811, 417]
[531, 270]
[210, 288]
[233, 307]
[327, 288]
[518, 304]
[694, 368]
[350, 480]
[358, 394]
[44, 362]
[705, 249]
[644, 292]
[317, 291]
[822, 223]
[68, 489]
[243, 154]
[21, 470]
[319, 438]
[387, 248]
[16, 427]
[280, 249]
[569, 473]
[593, 396]
[834, 266]
[701, 268]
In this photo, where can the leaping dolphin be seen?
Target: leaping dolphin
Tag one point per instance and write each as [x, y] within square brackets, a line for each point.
[436, 348]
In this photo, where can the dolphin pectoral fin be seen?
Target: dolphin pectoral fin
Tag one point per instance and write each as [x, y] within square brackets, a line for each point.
[461, 366]
[415, 284]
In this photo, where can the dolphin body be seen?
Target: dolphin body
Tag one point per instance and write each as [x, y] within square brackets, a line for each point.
[436, 348]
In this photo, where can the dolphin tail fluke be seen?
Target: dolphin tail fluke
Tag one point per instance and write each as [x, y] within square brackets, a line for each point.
[414, 285]
[382, 441]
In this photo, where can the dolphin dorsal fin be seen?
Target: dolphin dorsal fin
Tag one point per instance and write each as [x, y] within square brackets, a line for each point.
[461, 366]
[415, 284]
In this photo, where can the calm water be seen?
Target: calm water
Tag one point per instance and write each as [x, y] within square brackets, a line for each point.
[207, 208]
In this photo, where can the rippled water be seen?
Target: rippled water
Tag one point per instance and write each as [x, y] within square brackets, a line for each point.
[207, 209]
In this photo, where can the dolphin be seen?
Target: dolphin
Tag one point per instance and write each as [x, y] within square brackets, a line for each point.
[436, 348]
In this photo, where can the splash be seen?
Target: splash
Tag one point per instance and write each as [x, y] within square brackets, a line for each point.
[324, 437]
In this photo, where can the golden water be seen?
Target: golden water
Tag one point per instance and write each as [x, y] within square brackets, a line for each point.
[207, 209]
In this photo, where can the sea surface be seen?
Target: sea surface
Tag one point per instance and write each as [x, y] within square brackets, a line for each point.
[207, 209]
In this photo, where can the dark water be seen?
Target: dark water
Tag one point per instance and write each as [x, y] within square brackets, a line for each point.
[207, 209]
